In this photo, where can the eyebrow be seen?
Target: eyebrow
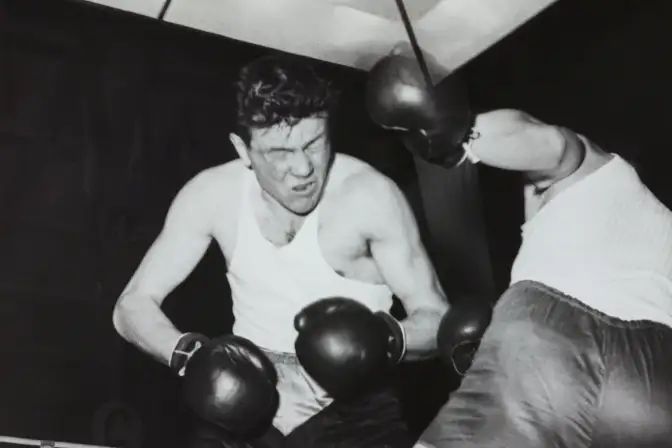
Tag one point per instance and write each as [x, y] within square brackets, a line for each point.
[307, 144]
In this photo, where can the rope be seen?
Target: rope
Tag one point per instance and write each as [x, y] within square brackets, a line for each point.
[46, 443]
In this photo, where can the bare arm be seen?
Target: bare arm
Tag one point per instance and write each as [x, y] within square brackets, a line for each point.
[514, 140]
[185, 237]
[405, 266]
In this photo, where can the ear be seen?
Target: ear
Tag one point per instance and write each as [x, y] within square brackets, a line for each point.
[241, 148]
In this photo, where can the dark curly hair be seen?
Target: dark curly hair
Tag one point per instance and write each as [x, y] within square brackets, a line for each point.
[280, 89]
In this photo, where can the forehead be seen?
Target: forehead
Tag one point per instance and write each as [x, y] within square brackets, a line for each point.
[289, 136]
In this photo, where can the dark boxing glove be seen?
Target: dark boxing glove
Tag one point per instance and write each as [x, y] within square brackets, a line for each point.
[436, 121]
[344, 346]
[460, 333]
[228, 382]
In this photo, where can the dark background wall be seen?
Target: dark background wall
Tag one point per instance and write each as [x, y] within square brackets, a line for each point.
[104, 116]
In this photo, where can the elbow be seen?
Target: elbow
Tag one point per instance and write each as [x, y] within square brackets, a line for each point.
[117, 317]
[120, 315]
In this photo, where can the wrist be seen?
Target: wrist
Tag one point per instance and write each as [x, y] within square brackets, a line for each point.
[183, 349]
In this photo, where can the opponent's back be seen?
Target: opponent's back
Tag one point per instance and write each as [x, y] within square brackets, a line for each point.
[605, 240]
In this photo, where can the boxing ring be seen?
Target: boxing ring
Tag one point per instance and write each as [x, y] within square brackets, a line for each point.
[104, 432]
[12, 441]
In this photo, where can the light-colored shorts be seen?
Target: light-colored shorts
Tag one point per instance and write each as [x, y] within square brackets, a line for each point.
[300, 396]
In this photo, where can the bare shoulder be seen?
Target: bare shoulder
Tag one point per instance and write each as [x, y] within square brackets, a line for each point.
[224, 176]
[363, 184]
[372, 201]
[208, 190]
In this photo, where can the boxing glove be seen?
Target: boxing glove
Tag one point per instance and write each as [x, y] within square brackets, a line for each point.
[344, 346]
[436, 120]
[229, 382]
[460, 333]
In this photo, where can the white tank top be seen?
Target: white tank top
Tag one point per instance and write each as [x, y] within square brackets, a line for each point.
[606, 241]
[271, 284]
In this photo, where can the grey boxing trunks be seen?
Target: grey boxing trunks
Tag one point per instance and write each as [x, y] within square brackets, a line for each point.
[553, 372]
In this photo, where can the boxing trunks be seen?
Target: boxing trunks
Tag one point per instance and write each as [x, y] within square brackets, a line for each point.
[373, 420]
[578, 351]
[553, 372]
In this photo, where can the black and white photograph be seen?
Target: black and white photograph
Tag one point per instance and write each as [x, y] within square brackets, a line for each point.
[335, 224]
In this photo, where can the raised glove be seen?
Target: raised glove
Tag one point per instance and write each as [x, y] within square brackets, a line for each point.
[436, 121]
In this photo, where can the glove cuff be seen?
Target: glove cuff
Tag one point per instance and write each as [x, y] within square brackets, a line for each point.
[396, 342]
[467, 147]
[185, 347]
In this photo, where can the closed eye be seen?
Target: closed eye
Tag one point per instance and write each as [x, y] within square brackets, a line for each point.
[312, 142]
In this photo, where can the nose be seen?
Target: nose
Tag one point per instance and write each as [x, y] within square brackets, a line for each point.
[301, 165]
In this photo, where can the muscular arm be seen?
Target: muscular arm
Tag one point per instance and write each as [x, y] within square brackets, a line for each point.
[514, 140]
[185, 237]
[403, 262]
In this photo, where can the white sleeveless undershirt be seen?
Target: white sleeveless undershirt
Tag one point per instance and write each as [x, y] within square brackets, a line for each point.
[606, 241]
[271, 284]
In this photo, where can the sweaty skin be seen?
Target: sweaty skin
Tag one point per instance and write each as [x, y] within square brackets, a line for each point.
[367, 232]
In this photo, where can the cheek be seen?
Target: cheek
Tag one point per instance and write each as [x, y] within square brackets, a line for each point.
[275, 172]
[321, 160]
[272, 182]
[268, 170]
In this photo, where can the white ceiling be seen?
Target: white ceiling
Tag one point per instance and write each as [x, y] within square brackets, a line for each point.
[354, 33]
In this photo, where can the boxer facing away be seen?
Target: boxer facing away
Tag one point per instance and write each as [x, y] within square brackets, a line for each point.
[578, 350]
[295, 222]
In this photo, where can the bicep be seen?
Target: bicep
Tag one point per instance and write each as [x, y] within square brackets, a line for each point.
[177, 250]
[398, 251]
[170, 259]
